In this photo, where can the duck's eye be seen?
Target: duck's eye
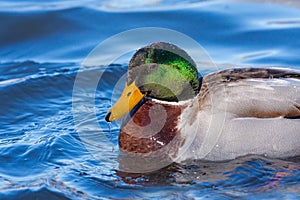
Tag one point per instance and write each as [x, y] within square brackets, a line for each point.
[128, 94]
[153, 67]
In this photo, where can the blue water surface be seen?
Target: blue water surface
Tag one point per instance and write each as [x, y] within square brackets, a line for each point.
[43, 44]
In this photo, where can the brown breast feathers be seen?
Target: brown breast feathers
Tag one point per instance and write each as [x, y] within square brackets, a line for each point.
[151, 127]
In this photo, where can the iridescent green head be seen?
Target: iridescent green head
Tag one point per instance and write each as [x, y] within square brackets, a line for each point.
[164, 71]
[161, 71]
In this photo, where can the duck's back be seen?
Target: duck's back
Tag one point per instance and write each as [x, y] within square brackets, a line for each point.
[248, 111]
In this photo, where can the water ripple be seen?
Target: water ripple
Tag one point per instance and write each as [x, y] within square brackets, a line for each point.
[42, 46]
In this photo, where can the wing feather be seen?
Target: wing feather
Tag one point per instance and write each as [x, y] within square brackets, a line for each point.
[253, 92]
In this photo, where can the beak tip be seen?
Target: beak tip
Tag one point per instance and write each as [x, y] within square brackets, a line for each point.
[107, 116]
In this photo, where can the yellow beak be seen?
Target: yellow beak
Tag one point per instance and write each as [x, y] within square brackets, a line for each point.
[130, 97]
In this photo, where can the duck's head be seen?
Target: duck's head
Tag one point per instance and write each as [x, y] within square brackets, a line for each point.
[160, 71]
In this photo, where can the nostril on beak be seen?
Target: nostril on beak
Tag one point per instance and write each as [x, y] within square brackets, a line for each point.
[107, 116]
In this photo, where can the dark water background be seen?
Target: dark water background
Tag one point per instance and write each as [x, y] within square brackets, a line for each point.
[42, 45]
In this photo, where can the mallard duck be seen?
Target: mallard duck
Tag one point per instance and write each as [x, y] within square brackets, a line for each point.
[221, 116]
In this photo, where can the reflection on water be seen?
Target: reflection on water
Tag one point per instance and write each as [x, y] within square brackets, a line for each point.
[42, 46]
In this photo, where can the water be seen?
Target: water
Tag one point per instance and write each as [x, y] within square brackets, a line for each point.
[42, 47]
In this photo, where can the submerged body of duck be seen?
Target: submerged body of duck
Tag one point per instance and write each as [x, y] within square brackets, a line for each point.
[220, 116]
